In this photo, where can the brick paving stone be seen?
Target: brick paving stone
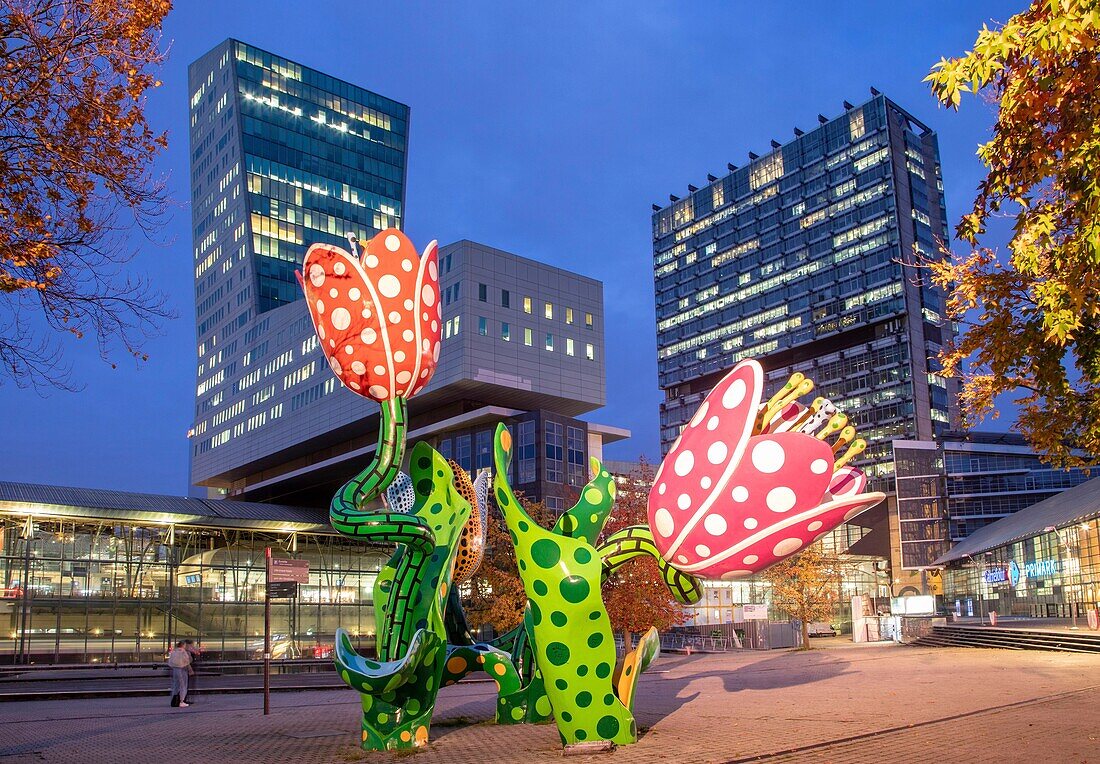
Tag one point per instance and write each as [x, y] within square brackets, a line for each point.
[967, 705]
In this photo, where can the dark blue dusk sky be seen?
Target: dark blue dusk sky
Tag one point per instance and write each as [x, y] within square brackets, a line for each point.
[546, 129]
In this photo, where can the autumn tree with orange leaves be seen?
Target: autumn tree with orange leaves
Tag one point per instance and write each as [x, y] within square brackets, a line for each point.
[806, 587]
[636, 596]
[76, 179]
[1031, 315]
[495, 595]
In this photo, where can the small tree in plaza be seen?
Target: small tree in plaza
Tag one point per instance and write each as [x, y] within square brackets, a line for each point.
[636, 596]
[75, 177]
[805, 586]
[1037, 307]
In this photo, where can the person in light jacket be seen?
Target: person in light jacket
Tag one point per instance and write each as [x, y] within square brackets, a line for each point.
[179, 664]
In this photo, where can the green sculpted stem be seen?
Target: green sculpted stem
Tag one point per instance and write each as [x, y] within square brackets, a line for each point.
[410, 593]
[346, 510]
[566, 620]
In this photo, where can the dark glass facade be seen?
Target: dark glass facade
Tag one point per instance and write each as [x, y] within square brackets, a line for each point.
[282, 157]
[948, 490]
[797, 260]
[322, 158]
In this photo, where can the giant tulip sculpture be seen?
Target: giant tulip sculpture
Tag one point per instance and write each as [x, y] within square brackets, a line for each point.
[750, 483]
[377, 318]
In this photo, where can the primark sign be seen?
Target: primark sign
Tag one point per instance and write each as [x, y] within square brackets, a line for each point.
[1011, 573]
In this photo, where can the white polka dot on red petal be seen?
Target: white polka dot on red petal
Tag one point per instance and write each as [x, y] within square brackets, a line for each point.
[684, 463]
[663, 522]
[715, 524]
[734, 394]
[341, 319]
[780, 499]
[786, 547]
[717, 452]
[768, 456]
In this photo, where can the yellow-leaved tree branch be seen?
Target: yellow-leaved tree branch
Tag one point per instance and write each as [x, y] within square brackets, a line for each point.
[1030, 316]
[76, 179]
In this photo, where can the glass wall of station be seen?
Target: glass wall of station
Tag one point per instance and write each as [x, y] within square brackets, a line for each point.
[856, 575]
[1052, 575]
[84, 591]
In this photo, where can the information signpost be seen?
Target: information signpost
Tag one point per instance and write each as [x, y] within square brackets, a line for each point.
[283, 577]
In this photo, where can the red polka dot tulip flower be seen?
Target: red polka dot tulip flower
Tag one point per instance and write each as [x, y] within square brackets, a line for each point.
[377, 316]
[750, 483]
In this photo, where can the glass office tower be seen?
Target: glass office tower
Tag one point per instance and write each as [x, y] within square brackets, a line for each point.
[282, 156]
[804, 261]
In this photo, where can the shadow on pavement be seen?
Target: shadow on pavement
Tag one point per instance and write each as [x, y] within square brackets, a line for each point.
[785, 669]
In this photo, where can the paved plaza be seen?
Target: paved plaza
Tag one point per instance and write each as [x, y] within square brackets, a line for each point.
[841, 704]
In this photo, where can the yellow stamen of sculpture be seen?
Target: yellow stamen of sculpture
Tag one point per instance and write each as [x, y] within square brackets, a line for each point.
[853, 451]
[789, 394]
[835, 424]
[846, 437]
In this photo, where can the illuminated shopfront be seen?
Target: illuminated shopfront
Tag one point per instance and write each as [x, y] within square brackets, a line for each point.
[121, 579]
[1042, 562]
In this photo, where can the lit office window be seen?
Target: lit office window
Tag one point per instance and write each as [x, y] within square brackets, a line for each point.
[766, 170]
[482, 326]
[505, 332]
[569, 346]
[527, 305]
[548, 311]
[856, 128]
[589, 352]
[718, 195]
[568, 315]
[588, 320]
[528, 338]
[549, 341]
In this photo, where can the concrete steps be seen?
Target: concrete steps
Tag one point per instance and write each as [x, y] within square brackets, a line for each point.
[1011, 639]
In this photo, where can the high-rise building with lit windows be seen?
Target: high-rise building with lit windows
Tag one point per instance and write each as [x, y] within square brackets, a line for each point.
[804, 259]
[281, 156]
[284, 156]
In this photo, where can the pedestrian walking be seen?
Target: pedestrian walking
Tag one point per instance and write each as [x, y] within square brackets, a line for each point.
[179, 663]
[195, 651]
